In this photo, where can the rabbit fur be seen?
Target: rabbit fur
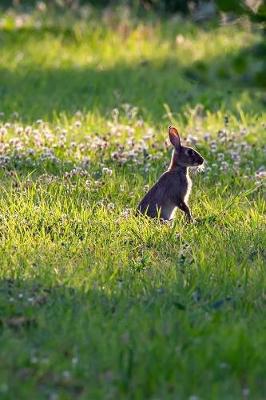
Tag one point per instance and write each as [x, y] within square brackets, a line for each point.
[173, 188]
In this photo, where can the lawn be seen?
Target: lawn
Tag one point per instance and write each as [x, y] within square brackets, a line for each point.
[96, 303]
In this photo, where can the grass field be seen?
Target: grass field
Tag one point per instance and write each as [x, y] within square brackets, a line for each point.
[97, 303]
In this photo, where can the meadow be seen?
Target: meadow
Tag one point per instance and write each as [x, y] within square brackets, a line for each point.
[96, 303]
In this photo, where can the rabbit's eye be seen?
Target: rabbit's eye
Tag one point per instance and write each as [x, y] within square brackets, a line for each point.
[190, 152]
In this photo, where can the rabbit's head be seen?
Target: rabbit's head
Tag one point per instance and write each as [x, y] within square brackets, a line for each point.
[184, 156]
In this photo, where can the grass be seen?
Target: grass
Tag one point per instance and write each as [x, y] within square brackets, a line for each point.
[95, 302]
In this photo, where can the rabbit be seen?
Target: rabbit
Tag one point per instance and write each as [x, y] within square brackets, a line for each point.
[173, 188]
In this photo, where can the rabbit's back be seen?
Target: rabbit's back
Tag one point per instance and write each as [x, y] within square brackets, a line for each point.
[164, 196]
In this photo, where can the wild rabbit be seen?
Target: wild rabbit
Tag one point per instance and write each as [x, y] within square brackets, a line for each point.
[173, 187]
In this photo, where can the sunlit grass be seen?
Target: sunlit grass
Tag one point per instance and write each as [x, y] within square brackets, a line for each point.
[96, 302]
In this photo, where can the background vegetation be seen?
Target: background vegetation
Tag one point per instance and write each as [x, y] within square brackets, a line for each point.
[95, 302]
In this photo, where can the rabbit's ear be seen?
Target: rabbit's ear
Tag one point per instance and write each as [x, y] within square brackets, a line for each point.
[174, 137]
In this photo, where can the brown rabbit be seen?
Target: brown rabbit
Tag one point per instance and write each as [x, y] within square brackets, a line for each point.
[173, 187]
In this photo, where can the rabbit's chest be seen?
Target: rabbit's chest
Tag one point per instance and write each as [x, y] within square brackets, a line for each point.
[183, 187]
[188, 187]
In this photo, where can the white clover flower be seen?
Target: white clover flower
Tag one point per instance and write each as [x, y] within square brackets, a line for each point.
[98, 183]
[224, 166]
[19, 130]
[28, 130]
[62, 138]
[142, 145]
[122, 160]
[131, 154]
[130, 130]
[213, 146]
[192, 140]
[53, 396]
[220, 156]
[260, 175]
[4, 160]
[30, 299]
[110, 206]
[75, 360]
[139, 123]
[115, 130]
[34, 359]
[2, 148]
[206, 136]
[133, 112]
[115, 114]
[3, 131]
[66, 175]
[222, 134]
[77, 124]
[66, 375]
[107, 171]
[78, 171]
[49, 137]
[235, 156]
[180, 39]
[31, 152]
[243, 132]
[130, 142]
[150, 133]
[85, 162]
[126, 107]
[223, 365]
[245, 146]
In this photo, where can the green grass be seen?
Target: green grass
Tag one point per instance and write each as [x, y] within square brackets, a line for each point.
[95, 302]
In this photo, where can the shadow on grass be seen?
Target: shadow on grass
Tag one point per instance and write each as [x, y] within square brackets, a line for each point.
[47, 330]
[58, 339]
[58, 328]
